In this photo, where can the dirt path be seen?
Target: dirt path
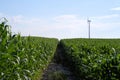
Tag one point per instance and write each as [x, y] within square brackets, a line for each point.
[56, 69]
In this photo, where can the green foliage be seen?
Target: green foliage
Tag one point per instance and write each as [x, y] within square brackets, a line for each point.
[93, 59]
[22, 58]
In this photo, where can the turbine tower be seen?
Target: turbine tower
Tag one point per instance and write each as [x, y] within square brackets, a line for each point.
[88, 20]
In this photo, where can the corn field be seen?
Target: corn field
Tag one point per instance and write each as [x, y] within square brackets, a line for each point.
[23, 58]
[92, 59]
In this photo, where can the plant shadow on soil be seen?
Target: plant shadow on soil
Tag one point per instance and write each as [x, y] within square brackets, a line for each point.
[56, 70]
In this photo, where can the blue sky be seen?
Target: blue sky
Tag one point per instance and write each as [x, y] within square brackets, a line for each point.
[63, 18]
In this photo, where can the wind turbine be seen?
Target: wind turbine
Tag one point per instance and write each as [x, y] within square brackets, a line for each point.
[88, 20]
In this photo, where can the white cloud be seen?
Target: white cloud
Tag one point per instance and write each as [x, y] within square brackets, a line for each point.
[1, 15]
[116, 9]
[70, 21]
[19, 19]
[106, 16]
[64, 26]
[60, 26]
[65, 17]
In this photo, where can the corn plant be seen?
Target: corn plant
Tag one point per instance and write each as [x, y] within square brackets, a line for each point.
[23, 58]
[93, 59]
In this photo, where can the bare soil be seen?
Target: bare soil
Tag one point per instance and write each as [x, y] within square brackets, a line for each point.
[56, 65]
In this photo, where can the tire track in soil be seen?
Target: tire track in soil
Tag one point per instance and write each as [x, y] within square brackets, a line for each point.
[56, 65]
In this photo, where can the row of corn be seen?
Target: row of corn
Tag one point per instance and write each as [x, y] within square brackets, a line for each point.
[92, 59]
[23, 58]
